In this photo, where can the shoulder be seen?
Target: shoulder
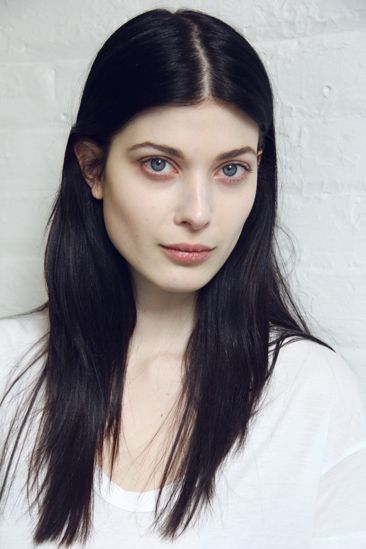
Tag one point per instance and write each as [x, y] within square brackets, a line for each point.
[20, 332]
[313, 363]
[28, 324]
[20, 339]
[322, 385]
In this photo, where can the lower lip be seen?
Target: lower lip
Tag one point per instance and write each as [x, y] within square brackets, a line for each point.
[187, 258]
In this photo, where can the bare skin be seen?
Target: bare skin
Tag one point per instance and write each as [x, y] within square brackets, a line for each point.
[190, 200]
[146, 406]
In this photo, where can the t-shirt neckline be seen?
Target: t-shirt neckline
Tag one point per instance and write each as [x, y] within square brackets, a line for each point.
[126, 499]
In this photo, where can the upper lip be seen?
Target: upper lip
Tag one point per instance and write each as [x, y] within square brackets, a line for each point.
[187, 247]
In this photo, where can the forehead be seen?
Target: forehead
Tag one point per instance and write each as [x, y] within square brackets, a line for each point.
[209, 125]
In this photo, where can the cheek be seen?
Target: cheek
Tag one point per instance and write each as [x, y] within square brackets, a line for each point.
[119, 217]
[234, 213]
[129, 217]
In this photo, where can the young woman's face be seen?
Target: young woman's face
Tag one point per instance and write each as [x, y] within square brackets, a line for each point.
[165, 185]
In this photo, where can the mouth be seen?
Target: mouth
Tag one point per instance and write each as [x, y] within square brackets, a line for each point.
[188, 247]
[187, 254]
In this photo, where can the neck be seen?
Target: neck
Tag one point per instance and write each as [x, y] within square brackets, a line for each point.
[164, 319]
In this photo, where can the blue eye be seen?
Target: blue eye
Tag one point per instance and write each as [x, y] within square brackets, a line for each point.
[157, 164]
[231, 169]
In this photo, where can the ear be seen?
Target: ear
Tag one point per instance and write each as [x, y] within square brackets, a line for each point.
[86, 153]
[259, 157]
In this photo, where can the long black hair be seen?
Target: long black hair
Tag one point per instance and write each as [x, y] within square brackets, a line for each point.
[244, 314]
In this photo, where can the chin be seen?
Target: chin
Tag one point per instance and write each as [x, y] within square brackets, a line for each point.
[184, 286]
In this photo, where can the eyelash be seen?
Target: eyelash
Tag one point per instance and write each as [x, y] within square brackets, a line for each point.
[247, 169]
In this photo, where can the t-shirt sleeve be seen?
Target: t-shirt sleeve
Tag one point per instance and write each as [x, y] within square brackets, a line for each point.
[340, 511]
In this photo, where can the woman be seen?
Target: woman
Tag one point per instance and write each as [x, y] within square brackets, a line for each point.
[172, 393]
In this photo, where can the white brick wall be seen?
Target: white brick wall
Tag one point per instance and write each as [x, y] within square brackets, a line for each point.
[315, 52]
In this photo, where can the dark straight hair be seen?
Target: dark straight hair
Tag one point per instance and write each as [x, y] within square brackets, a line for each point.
[243, 315]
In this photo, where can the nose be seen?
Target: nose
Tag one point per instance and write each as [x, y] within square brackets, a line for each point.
[193, 206]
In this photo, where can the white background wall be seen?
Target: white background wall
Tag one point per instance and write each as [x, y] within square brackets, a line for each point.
[315, 53]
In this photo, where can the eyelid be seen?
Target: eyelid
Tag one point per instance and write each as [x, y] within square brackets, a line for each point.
[238, 163]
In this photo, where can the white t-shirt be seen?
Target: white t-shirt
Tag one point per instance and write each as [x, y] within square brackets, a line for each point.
[299, 484]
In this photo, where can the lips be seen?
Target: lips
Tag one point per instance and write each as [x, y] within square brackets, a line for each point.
[183, 247]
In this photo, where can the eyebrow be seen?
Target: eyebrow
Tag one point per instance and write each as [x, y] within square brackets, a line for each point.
[179, 154]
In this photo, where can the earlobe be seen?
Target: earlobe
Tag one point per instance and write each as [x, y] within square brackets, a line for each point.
[97, 191]
[87, 153]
